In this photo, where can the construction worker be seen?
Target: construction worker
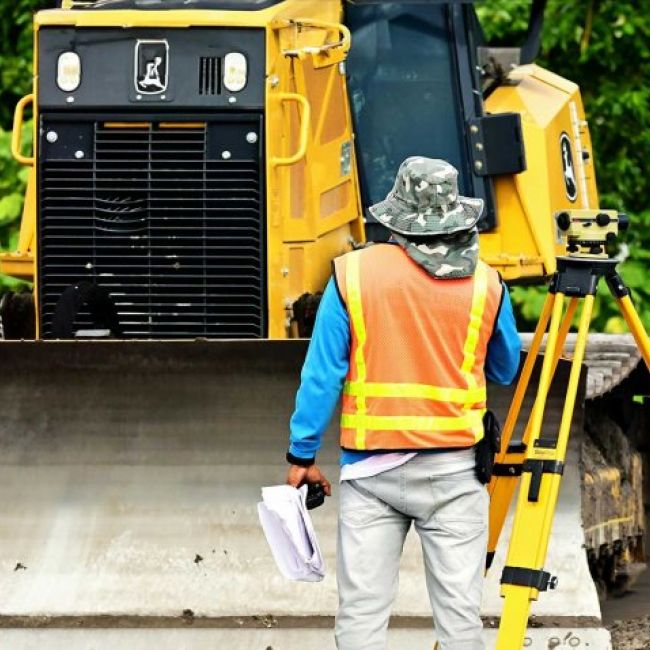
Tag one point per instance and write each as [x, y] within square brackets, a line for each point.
[408, 330]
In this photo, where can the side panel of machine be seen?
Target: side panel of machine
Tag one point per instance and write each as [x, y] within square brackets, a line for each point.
[313, 203]
[560, 173]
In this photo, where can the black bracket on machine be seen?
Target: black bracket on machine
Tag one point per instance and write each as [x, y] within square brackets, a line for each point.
[497, 144]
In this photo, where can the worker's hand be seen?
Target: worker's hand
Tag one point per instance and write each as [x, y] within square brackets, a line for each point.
[298, 476]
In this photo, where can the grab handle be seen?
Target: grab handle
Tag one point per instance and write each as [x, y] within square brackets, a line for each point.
[305, 115]
[16, 136]
[343, 32]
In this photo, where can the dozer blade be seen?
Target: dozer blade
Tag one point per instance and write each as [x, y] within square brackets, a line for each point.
[130, 473]
[129, 478]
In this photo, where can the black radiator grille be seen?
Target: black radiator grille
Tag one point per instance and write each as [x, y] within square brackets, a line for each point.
[163, 217]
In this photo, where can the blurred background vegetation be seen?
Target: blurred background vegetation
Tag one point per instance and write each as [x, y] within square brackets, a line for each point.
[604, 45]
[15, 81]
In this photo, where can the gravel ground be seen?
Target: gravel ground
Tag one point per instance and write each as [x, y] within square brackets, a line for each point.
[632, 634]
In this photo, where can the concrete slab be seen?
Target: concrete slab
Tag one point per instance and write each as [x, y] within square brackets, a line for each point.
[131, 492]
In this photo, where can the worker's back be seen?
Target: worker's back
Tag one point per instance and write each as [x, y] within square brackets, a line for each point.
[417, 318]
[418, 351]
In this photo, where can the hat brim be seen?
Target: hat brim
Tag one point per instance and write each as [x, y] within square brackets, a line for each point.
[394, 208]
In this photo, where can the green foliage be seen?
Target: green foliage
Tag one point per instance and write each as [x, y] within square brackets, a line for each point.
[16, 45]
[604, 46]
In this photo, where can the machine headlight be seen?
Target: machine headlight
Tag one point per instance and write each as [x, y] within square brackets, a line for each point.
[68, 74]
[235, 71]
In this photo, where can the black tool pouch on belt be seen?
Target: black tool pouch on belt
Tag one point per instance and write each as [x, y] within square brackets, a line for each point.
[487, 447]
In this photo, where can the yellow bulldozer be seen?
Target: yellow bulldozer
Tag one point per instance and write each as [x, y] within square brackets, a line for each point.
[197, 165]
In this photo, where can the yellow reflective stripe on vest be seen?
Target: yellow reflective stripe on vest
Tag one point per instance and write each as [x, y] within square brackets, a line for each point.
[353, 290]
[479, 298]
[472, 420]
[420, 391]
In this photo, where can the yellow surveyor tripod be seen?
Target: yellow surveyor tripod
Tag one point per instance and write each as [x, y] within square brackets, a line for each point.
[537, 460]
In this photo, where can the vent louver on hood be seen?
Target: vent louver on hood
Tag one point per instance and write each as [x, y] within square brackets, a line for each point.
[209, 75]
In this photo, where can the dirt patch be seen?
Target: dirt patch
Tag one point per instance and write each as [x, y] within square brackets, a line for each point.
[633, 634]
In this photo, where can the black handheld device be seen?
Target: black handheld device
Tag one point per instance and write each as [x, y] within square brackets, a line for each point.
[315, 496]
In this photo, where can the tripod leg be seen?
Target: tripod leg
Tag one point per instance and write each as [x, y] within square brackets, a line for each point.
[557, 353]
[636, 327]
[508, 462]
[620, 291]
[526, 372]
[574, 381]
[564, 332]
[523, 577]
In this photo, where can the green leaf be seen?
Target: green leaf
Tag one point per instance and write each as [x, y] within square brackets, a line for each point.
[635, 274]
[616, 325]
[10, 207]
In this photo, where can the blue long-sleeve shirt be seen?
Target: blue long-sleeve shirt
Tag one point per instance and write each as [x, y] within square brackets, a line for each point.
[327, 363]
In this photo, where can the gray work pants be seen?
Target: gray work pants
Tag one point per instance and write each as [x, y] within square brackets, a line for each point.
[449, 509]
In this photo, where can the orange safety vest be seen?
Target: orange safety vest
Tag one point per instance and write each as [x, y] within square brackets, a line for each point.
[418, 346]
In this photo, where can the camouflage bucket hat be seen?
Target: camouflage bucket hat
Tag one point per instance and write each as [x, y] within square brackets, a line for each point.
[425, 200]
